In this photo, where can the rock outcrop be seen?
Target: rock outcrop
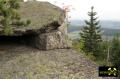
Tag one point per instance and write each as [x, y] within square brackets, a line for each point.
[47, 29]
[24, 62]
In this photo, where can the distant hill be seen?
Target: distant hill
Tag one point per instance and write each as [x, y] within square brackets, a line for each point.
[109, 28]
[103, 23]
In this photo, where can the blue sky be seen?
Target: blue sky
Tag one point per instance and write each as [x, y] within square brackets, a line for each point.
[106, 9]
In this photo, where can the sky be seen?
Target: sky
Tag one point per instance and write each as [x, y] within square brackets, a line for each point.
[106, 9]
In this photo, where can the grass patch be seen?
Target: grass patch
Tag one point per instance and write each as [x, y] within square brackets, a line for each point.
[78, 47]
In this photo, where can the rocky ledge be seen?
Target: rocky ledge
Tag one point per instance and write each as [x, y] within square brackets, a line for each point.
[47, 29]
[23, 62]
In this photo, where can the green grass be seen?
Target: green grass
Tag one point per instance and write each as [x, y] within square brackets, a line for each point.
[78, 47]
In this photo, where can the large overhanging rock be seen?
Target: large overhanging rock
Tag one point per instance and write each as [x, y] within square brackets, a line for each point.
[41, 15]
[47, 29]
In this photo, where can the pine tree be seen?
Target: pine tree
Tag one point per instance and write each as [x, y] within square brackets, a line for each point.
[9, 16]
[91, 34]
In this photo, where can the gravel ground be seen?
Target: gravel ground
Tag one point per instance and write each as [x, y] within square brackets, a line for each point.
[23, 62]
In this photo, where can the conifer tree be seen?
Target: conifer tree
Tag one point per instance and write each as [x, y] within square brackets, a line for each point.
[9, 16]
[91, 34]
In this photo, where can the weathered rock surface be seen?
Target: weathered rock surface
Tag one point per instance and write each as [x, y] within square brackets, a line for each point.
[23, 62]
[47, 29]
[51, 41]
[42, 15]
